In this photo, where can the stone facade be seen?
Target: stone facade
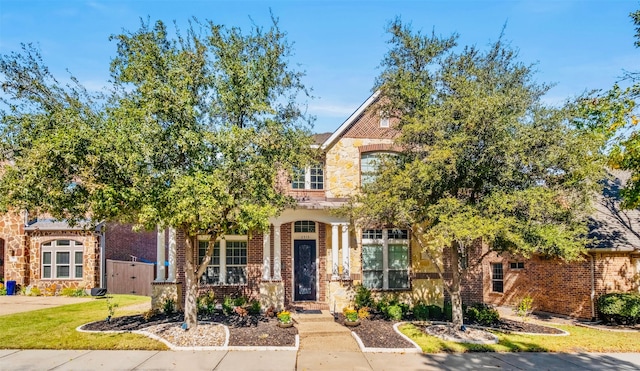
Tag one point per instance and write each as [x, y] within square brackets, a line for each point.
[16, 257]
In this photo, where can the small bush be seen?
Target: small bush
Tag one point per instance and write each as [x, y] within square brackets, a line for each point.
[435, 312]
[394, 312]
[421, 312]
[363, 313]
[148, 315]
[206, 303]
[620, 308]
[482, 314]
[3, 289]
[227, 305]
[239, 301]
[68, 291]
[254, 307]
[350, 314]
[169, 306]
[523, 309]
[362, 298]
[35, 292]
[284, 316]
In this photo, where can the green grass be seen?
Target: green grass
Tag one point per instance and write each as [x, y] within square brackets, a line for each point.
[580, 339]
[55, 328]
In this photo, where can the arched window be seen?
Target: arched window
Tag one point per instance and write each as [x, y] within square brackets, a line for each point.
[62, 259]
[370, 164]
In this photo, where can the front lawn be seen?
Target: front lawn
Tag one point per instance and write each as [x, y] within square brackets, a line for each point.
[55, 328]
[580, 339]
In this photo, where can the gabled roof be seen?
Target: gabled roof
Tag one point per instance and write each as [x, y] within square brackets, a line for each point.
[610, 226]
[345, 125]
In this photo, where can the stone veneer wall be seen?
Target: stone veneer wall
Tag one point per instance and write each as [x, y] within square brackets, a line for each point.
[16, 257]
[90, 256]
[342, 165]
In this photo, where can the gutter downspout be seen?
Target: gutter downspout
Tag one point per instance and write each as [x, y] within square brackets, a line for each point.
[593, 287]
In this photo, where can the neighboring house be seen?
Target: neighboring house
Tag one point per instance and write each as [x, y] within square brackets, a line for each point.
[310, 257]
[611, 264]
[52, 255]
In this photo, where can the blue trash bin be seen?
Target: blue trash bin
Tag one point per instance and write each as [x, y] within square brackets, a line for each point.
[11, 287]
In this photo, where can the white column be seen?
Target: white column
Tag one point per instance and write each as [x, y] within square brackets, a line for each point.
[345, 251]
[172, 255]
[223, 261]
[277, 263]
[334, 251]
[266, 257]
[160, 268]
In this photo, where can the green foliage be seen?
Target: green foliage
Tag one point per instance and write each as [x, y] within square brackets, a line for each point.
[35, 291]
[254, 307]
[3, 289]
[620, 308]
[362, 298]
[394, 312]
[485, 158]
[524, 307]
[207, 303]
[69, 291]
[284, 316]
[482, 314]
[111, 307]
[240, 301]
[227, 305]
[195, 133]
[435, 312]
[421, 312]
[168, 306]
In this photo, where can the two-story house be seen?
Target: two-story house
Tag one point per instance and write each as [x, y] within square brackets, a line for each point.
[311, 258]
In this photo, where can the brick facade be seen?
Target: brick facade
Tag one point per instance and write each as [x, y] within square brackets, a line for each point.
[122, 243]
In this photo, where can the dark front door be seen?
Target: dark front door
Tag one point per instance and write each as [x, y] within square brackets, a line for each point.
[304, 270]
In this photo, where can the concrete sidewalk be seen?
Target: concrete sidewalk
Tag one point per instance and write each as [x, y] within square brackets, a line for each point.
[306, 360]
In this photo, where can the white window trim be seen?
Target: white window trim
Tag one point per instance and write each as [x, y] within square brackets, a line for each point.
[52, 248]
[493, 279]
[307, 179]
[384, 122]
[223, 258]
[385, 242]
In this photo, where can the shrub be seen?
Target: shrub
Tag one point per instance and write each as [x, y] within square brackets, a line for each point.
[68, 291]
[362, 298]
[620, 308]
[350, 314]
[227, 305]
[421, 312]
[435, 312]
[35, 291]
[240, 301]
[482, 314]
[394, 312]
[363, 313]
[448, 311]
[3, 289]
[169, 306]
[523, 309]
[148, 315]
[254, 307]
[206, 303]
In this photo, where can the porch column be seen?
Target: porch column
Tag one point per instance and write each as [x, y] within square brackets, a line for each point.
[172, 255]
[277, 263]
[266, 257]
[345, 251]
[334, 251]
[160, 268]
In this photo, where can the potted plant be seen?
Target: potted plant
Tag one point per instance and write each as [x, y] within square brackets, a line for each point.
[351, 317]
[284, 319]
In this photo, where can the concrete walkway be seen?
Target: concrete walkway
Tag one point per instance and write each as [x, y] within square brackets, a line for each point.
[10, 304]
[11, 360]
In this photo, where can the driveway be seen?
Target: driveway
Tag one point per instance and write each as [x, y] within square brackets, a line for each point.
[10, 304]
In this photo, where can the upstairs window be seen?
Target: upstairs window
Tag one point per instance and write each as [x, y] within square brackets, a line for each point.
[62, 259]
[370, 164]
[309, 178]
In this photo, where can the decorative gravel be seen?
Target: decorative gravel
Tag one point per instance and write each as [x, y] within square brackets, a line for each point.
[470, 335]
[204, 335]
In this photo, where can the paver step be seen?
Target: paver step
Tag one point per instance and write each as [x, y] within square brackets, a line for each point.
[342, 343]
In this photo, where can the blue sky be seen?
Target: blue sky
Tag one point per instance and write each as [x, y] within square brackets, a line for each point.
[578, 45]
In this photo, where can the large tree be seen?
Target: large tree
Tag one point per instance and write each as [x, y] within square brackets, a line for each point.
[483, 159]
[196, 134]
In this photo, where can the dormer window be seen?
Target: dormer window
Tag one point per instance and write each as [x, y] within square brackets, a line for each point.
[311, 177]
[384, 122]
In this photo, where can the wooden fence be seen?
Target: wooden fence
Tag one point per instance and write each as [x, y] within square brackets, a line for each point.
[129, 277]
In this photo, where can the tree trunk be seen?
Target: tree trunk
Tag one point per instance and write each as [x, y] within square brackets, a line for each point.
[456, 297]
[190, 274]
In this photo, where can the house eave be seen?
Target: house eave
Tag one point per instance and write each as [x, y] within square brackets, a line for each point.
[338, 133]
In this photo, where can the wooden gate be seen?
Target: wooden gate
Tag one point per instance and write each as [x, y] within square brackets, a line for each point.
[129, 277]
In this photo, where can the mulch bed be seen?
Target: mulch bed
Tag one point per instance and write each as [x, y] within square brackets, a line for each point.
[263, 331]
[243, 331]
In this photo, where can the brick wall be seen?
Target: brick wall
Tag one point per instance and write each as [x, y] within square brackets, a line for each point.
[121, 242]
[472, 285]
[286, 247]
[322, 261]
